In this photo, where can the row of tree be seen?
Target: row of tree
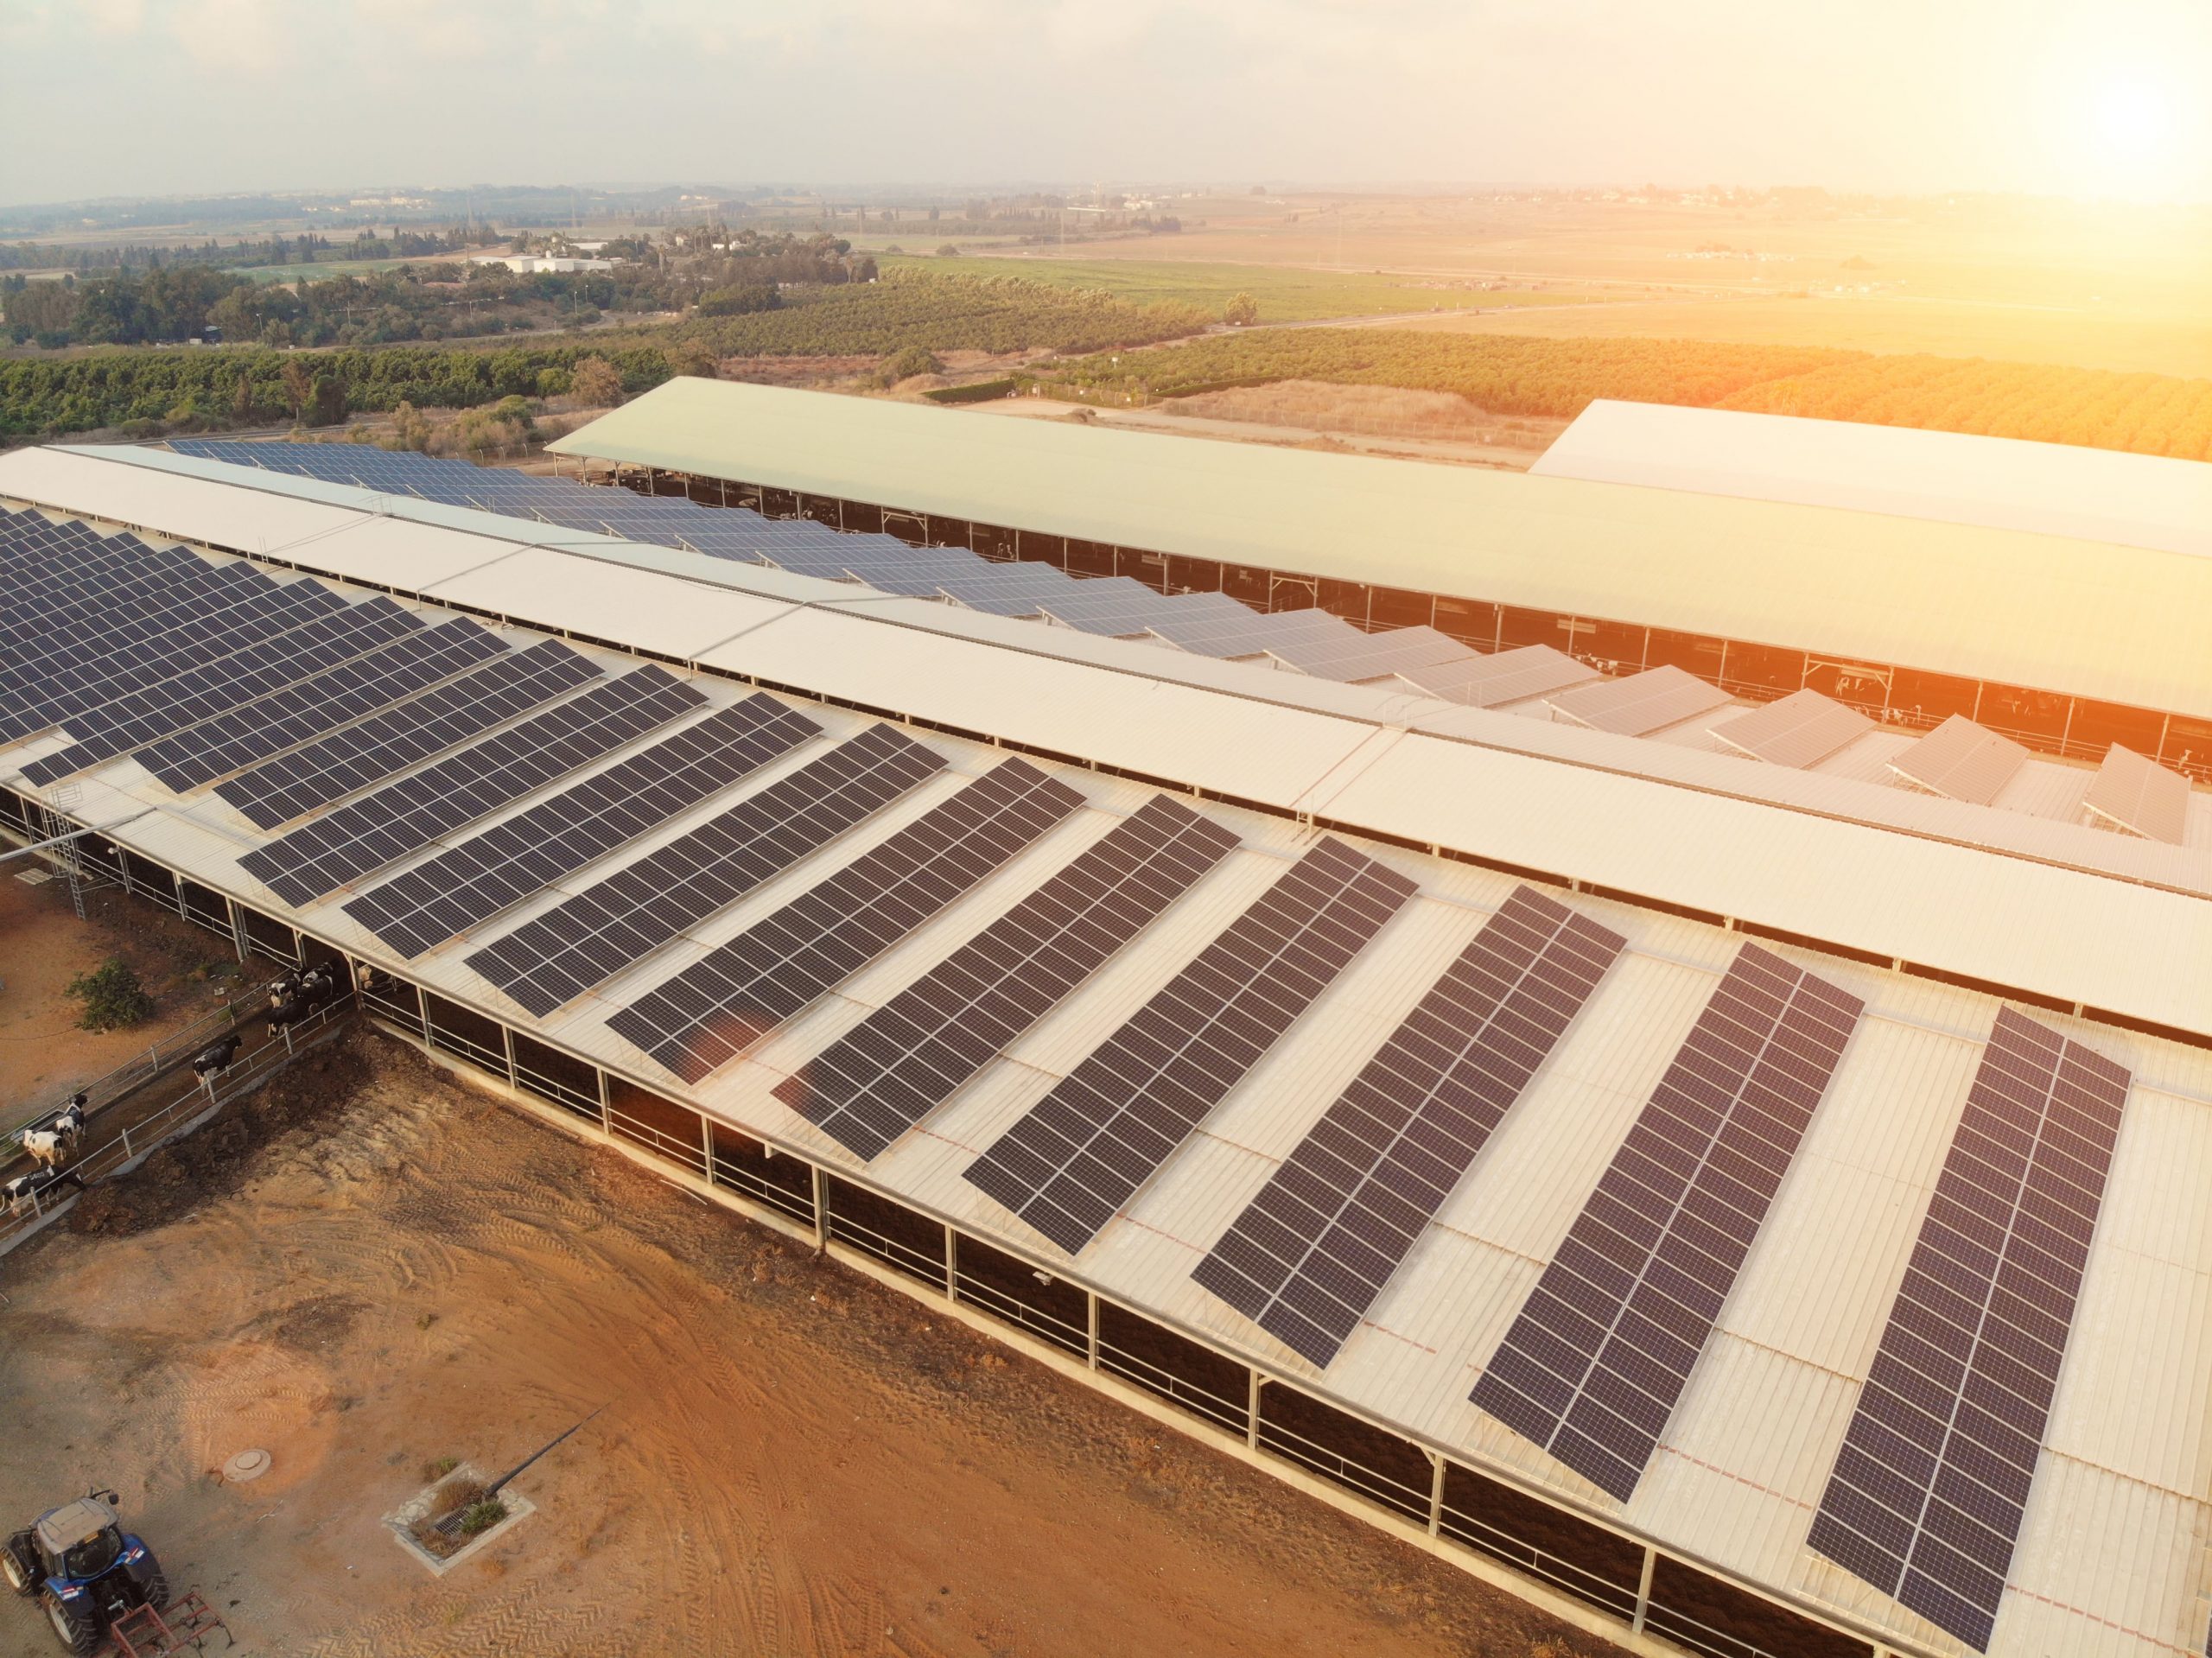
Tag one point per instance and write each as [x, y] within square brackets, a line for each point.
[305, 248]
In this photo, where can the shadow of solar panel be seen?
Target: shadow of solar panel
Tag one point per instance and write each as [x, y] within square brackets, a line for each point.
[318, 705]
[398, 737]
[1927, 1495]
[1315, 1249]
[914, 1054]
[320, 856]
[1594, 1364]
[146, 716]
[1084, 1150]
[483, 875]
[709, 1012]
[622, 919]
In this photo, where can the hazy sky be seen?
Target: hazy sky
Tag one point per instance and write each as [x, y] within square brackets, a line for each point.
[162, 96]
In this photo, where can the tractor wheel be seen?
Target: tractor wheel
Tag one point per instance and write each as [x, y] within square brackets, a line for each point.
[155, 1583]
[19, 1560]
[78, 1626]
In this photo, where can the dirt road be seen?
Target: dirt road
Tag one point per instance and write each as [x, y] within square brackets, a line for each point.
[369, 1266]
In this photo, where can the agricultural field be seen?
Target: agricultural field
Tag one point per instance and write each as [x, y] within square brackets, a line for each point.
[1283, 293]
[2114, 286]
[2148, 414]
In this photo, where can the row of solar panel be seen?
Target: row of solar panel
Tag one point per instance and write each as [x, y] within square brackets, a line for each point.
[1308, 641]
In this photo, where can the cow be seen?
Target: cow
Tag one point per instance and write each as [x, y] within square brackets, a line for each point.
[25, 1190]
[290, 1012]
[281, 990]
[53, 1140]
[216, 1057]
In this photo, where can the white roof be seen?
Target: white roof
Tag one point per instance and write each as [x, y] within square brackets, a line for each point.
[2111, 1561]
[2003, 483]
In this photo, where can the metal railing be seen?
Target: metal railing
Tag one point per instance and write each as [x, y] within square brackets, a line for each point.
[191, 1098]
[133, 1073]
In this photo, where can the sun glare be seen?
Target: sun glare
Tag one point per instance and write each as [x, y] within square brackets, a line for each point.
[2129, 141]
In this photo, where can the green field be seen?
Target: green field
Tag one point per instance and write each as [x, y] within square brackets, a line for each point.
[1285, 294]
[317, 272]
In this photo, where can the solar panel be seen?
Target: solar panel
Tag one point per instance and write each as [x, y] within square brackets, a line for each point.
[604, 927]
[483, 875]
[910, 1055]
[1119, 607]
[1960, 760]
[1640, 704]
[1506, 677]
[1251, 633]
[1083, 1151]
[1372, 655]
[1312, 1252]
[190, 638]
[318, 705]
[406, 816]
[1926, 1497]
[2139, 796]
[146, 716]
[1592, 1367]
[709, 1012]
[391, 741]
[1801, 729]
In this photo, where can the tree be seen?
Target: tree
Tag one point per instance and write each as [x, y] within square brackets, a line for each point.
[298, 386]
[689, 358]
[329, 400]
[595, 384]
[908, 361]
[410, 430]
[243, 406]
[1241, 312]
[112, 996]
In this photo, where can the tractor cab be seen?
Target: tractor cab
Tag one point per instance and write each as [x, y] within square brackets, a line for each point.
[86, 1569]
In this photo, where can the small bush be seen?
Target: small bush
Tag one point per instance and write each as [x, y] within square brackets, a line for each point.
[113, 995]
[437, 1468]
[481, 1515]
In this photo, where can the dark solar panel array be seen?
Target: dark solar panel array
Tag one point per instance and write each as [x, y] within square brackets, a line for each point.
[120, 581]
[714, 1008]
[1314, 1250]
[398, 738]
[407, 815]
[914, 1054]
[108, 611]
[1594, 1366]
[317, 706]
[247, 612]
[483, 875]
[146, 716]
[622, 919]
[1081, 1151]
[1928, 1492]
[1212, 625]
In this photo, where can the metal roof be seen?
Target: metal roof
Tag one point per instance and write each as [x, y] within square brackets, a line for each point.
[2111, 1560]
[2005, 483]
[2079, 914]
[2118, 623]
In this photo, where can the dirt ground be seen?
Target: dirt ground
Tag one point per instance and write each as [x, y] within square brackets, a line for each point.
[43, 1056]
[368, 1267]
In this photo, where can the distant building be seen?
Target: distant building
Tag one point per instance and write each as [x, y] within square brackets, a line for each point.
[531, 263]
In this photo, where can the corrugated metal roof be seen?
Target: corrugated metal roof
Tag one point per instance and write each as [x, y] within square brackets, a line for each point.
[2112, 1559]
[2004, 483]
[2118, 623]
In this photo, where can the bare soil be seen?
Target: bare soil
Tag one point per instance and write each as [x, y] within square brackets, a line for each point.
[43, 1056]
[369, 1266]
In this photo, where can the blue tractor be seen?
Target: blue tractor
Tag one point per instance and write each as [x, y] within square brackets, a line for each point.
[86, 1570]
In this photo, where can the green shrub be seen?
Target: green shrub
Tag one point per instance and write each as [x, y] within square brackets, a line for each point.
[112, 996]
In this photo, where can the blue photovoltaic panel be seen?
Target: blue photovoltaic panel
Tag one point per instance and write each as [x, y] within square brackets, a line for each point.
[1314, 1250]
[319, 705]
[484, 874]
[709, 1012]
[398, 738]
[911, 1055]
[1927, 1493]
[1593, 1367]
[407, 815]
[1084, 1150]
[622, 919]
